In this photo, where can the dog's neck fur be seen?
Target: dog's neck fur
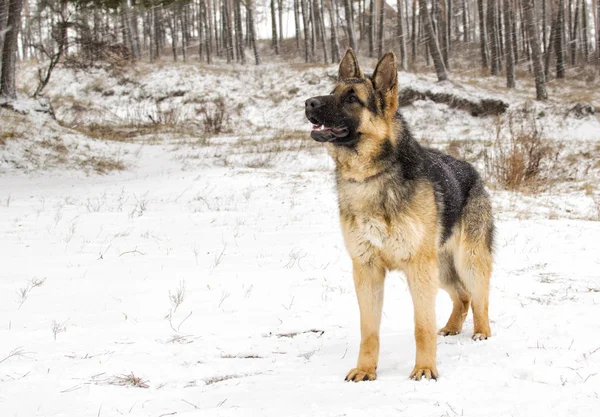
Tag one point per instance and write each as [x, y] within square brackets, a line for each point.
[370, 158]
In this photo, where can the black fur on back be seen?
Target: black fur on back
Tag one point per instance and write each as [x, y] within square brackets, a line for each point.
[453, 179]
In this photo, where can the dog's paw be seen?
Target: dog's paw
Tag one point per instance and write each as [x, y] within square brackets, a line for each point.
[357, 375]
[481, 336]
[420, 372]
[447, 331]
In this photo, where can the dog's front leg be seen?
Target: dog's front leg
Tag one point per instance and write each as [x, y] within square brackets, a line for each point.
[422, 276]
[368, 282]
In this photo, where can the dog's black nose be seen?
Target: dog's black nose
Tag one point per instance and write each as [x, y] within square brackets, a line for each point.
[313, 103]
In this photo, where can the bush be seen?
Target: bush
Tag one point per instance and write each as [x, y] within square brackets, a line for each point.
[214, 115]
[520, 156]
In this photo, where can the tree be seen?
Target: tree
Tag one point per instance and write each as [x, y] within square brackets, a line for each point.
[401, 37]
[250, 11]
[432, 42]
[598, 34]
[350, 24]
[482, 34]
[492, 29]
[297, 22]
[371, 25]
[510, 64]
[381, 35]
[9, 50]
[585, 29]
[274, 37]
[536, 53]
[335, 45]
[559, 40]
[306, 23]
[3, 25]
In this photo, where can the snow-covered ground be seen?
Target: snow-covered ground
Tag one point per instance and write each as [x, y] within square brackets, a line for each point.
[210, 277]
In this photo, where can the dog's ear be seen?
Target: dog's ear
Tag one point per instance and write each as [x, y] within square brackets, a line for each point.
[349, 67]
[385, 76]
[385, 80]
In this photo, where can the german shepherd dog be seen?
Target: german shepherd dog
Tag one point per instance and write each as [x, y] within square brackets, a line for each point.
[403, 207]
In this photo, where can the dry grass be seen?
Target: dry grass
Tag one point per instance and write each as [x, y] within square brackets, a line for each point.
[214, 115]
[520, 157]
[103, 164]
[129, 380]
[466, 150]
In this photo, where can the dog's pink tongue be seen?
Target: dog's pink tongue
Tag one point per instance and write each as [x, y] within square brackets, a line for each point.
[322, 128]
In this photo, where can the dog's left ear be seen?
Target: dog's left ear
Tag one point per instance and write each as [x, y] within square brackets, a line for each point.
[385, 80]
[349, 66]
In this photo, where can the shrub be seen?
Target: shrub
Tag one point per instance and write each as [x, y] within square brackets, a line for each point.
[520, 156]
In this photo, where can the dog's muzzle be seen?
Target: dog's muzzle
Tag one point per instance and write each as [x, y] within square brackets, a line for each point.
[320, 131]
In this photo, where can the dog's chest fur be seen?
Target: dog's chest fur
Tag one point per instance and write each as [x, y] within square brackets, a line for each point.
[378, 224]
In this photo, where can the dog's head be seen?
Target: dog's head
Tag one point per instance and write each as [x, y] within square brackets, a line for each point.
[359, 107]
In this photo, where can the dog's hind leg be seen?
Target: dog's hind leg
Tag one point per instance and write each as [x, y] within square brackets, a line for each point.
[473, 257]
[461, 298]
[368, 282]
[474, 265]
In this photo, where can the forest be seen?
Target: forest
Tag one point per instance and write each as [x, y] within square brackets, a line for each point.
[544, 39]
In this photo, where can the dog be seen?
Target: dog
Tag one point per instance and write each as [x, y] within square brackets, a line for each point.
[403, 207]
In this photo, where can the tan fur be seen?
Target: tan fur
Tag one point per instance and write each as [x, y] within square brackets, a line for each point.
[405, 238]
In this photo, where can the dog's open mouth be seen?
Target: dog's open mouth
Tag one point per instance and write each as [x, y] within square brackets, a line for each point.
[322, 133]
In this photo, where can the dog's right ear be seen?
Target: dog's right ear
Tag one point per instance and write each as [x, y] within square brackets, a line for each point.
[349, 67]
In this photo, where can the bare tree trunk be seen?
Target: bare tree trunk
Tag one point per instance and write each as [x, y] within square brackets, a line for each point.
[532, 31]
[313, 28]
[381, 35]
[3, 26]
[305, 20]
[574, 34]
[465, 20]
[335, 45]
[510, 64]
[432, 42]
[157, 30]
[598, 34]
[317, 7]
[413, 38]
[9, 50]
[372, 13]
[135, 33]
[280, 11]
[201, 32]
[274, 37]
[209, 25]
[182, 25]
[493, 36]
[544, 24]
[229, 30]
[172, 22]
[559, 45]
[350, 24]
[401, 37]
[126, 27]
[514, 34]
[239, 35]
[250, 10]
[551, 45]
[443, 31]
[482, 34]
[297, 22]
[584, 28]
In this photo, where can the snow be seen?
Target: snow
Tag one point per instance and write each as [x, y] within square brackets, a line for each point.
[268, 323]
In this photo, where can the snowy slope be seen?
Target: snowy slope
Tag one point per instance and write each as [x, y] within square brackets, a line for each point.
[211, 279]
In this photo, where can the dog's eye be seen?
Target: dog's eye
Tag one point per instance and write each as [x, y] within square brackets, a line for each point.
[352, 99]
